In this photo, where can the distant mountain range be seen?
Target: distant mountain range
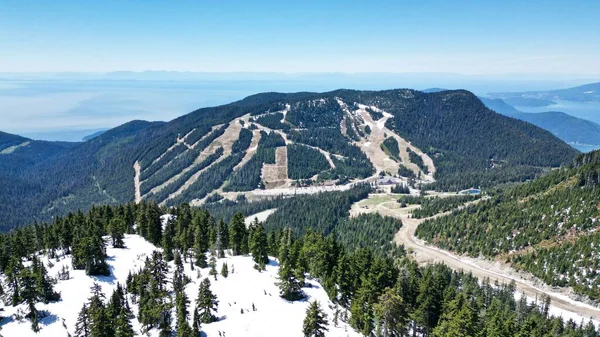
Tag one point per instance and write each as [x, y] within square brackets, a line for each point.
[582, 134]
[588, 93]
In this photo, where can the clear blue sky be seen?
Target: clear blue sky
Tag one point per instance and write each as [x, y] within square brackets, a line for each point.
[468, 37]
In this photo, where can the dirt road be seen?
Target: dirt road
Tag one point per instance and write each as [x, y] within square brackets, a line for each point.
[561, 302]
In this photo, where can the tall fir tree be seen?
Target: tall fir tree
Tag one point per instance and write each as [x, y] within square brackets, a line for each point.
[82, 325]
[167, 239]
[238, 236]
[391, 315]
[315, 322]
[206, 303]
[258, 244]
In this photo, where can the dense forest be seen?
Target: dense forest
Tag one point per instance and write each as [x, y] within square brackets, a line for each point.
[305, 162]
[373, 291]
[433, 205]
[547, 227]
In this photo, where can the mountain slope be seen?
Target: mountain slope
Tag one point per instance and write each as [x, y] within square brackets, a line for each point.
[577, 132]
[249, 148]
[548, 227]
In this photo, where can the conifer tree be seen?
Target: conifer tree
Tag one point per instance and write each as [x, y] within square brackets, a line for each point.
[224, 270]
[223, 234]
[167, 239]
[123, 327]
[82, 325]
[289, 286]
[181, 305]
[29, 295]
[200, 223]
[196, 323]
[258, 245]
[238, 236]
[315, 323]
[206, 303]
[391, 315]
[117, 229]
[213, 266]
[154, 224]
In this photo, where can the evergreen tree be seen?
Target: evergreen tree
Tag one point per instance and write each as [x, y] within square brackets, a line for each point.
[391, 315]
[117, 230]
[258, 244]
[200, 223]
[458, 320]
[213, 266]
[315, 323]
[196, 323]
[123, 327]
[167, 239]
[238, 235]
[206, 303]
[29, 295]
[224, 270]
[289, 286]
[82, 325]
[181, 304]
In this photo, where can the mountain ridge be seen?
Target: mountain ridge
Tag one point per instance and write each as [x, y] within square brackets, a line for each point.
[340, 124]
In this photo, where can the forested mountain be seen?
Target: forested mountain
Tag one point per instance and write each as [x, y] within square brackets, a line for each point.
[281, 141]
[548, 227]
[577, 132]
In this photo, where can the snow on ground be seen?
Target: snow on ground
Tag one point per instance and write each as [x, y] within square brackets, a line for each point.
[244, 287]
[261, 216]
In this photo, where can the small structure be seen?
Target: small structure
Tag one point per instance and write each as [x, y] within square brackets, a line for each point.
[387, 180]
[470, 191]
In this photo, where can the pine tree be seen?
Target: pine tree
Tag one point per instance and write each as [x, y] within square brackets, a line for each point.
[361, 308]
[391, 315]
[258, 245]
[213, 267]
[206, 303]
[200, 223]
[117, 229]
[181, 304]
[196, 323]
[29, 295]
[167, 239]
[224, 270]
[100, 323]
[43, 284]
[315, 323]
[289, 286]
[82, 325]
[458, 320]
[238, 236]
[123, 327]
[154, 224]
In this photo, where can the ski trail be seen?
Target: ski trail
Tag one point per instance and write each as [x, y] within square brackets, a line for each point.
[136, 182]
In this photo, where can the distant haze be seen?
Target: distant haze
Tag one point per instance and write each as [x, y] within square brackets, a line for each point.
[69, 106]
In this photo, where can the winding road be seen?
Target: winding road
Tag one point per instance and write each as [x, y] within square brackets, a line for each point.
[424, 253]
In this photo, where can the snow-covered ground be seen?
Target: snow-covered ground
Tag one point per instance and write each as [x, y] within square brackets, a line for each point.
[243, 287]
[261, 216]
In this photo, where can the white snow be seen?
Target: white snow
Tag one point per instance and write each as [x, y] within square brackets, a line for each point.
[244, 287]
[261, 216]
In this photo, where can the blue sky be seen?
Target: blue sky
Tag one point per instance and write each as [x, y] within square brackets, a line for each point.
[467, 37]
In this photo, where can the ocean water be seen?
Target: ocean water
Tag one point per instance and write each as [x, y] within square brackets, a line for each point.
[589, 111]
